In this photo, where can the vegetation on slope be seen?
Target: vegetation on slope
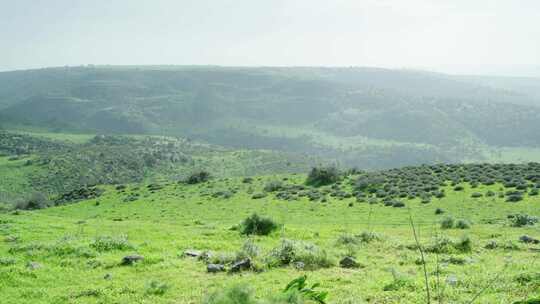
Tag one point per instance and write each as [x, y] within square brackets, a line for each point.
[422, 117]
[179, 242]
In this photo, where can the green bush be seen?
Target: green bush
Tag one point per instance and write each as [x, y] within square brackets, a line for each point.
[197, 177]
[296, 252]
[109, 243]
[447, 223]
[321, 176]
[273, 186]
[257, 225]
[463, 224]
[368, 237]
[520, 220]
[238, 294]
[37, 200]
[156, 288]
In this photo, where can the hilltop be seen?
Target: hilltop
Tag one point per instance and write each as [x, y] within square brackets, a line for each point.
[365, 117]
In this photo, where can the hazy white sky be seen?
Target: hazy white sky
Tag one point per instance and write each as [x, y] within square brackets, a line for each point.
[446, 35]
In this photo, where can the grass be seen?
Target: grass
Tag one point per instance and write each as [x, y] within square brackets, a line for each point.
[161, 225]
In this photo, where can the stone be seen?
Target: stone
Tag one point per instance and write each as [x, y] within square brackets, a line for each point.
[452, 280]
[244, 264]
[33, 265]
[528, 240]
[131, 259]
[215, 268]
[349, 262]
[192, 253]
[299, 265]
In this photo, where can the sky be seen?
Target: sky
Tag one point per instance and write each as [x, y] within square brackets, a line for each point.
[455, 36]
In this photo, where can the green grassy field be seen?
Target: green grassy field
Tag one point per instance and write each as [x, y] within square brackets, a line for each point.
[161, 224]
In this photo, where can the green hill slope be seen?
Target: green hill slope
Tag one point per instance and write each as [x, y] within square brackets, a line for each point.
[75, 253]
[443, 117]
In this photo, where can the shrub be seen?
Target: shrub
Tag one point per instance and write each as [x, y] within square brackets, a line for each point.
[156, 288]
[458, 188]
[463, 224]
[36, 201]
[464, 244]
[109, 243]
[296, 252]
[249, 250]
[258, 196]
[520, 220]
[273, 186]
[347, 239]
[257, 225]
[368, 237]
[446, 245]
[476, 195]
[197, 177]
[7, 261]
[321, 176]
[399, 281]
[299, 286]
[514, 197]
[447, 223]
[439, 211]
[238, 294]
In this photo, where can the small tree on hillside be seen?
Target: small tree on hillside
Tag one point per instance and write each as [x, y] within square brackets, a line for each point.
[321, 176]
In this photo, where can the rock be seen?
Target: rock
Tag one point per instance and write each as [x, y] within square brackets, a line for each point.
[452, 280]
[215, 268]
[348, 262]
[299, 265]
[131, 259]
[33, 265]
[192, 253]
[244, 264]
[528, 240]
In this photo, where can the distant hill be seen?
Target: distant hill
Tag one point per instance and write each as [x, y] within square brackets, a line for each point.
[360, 116]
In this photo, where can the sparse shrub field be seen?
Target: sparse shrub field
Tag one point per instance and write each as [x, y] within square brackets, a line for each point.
[181, 243]
[181, 223]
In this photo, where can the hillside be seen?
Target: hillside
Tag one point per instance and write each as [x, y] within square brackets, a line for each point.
[56, 164]
[366, 117]
[174, 242]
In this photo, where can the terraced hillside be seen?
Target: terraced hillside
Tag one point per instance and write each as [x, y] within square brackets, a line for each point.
[353, 232]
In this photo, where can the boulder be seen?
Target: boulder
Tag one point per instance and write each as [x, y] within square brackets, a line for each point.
[192, 253]
[528, 240]
[33, 265]
[244, 264]
[131, 259]
[215, 268]
[349, 262]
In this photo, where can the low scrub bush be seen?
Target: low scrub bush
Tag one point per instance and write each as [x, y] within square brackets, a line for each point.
[449, 246]
[110, 243]
[156, 288]
[197, 177]
[520, 220]
[257, 225]
[321, 176]
[299, 253]
[36, 201]
[368, 237]
[447, 223]
[463, 224]
[273, 186]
